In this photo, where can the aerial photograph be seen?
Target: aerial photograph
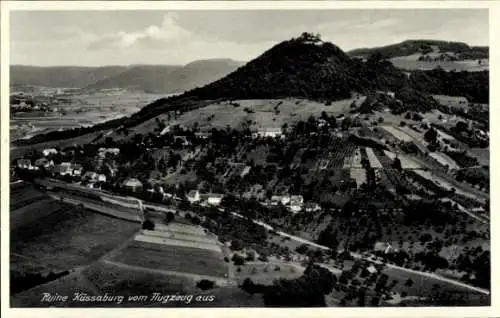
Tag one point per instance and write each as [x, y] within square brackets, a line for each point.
[249, 158]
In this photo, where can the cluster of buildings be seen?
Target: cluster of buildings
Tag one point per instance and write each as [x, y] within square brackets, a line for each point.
[214, 199]
[295, 203]
[268, 132]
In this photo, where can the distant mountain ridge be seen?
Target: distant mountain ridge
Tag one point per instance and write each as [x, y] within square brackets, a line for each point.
[169, 79]
[149, 78]
[61, 76]
[462, 50]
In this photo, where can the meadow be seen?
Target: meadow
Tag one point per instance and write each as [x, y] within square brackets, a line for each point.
[62, 236]
[173, 258]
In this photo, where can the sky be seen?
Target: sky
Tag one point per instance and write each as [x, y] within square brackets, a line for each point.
[96, 38]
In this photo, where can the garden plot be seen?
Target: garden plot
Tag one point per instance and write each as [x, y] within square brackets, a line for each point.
[444, 160]
[445, 185]
[356, 160]
[372, 158]
[181, 228]
[406, 162]
[397, 133]
[175, 258]
[176, 242]
[359, 174]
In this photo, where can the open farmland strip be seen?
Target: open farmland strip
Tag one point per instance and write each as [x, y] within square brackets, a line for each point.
[181, 236]
[398, 134]
[372, 158]
[172, 258]
[195, 277]
[174, 241]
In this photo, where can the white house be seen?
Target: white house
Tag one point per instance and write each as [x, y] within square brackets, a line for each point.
[49, 151]
[268, 132]
[297, 198]
[132, 184]
[64, 169]
[193, 196]
[90, 175]
[77, 169]
[103, 151]
[24, 164]
[43, 162]
[371, 269]
[101, 178]
[312, 207]
[214, 199]
[295, 207]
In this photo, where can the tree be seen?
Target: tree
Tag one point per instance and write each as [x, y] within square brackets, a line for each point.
[302, 249]
[238, 260]
[169, 217]
[396, 164]
[148, 225]
[409, 282]
[236, 245]
[205, 284]
[431, 136]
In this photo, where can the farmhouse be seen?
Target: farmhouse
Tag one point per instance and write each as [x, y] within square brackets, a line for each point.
[268, 132]
[387, 93]
[295, 206]
[77, 169]
[43, 162]
[312, 207]
[49, 151]
[63, 169]
[384, 248]
[24, 164]
[104, 151]
[283, 199]
[193, 196]
[297, 199]
[214, 199]
[90, 176]
[132, 184]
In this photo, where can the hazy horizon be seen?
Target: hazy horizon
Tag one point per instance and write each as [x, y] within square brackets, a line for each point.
[128, 38]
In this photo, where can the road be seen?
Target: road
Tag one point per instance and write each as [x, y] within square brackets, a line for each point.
[355, 255]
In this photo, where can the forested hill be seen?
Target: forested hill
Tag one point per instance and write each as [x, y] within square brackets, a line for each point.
[303, 67]
[409, 47]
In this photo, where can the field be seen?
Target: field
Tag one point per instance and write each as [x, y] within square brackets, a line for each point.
[61, 236]
[424, 285]
[173, 258]
[266, 273]
[406, 161]
[481, 154]
[411, 63]
[444, 160]
[372, 158]
[397, 133]
[260, 113]
[452, 101]
[79, 109]
[444, 184]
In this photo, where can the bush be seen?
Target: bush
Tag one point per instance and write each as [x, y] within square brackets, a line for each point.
[148, 225]
[238, 260]
[169, 217]
[205, 284]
